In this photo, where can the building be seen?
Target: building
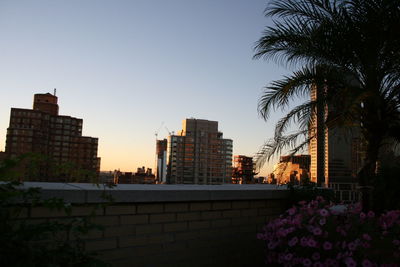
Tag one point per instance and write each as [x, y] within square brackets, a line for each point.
[336, 153]
[106, 177]
[294, 169]
[161, 153]
[142, 176]
[343, 155]
[199, 154]
[318, 141]
[243, 170]
[2, 155]
[65, 155]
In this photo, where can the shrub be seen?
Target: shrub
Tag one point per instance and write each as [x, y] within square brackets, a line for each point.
[318, 233]
[42, 243]
[307, 191]
[47, 243]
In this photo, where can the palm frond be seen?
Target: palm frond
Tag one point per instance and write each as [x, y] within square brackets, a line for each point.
[290, 141]
[316, 10]
[302, 115]
[279, 94]
[349, 51]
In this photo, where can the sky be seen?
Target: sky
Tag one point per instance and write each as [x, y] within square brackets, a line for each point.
[126, 67]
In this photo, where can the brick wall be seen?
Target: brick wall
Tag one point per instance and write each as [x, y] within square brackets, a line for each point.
[179, 233]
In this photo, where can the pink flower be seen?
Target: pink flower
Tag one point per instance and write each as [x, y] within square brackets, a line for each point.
[307, 262]
[352, 246]
[312, 243]
[367, 263]
[367, 237]
[396, 242]
[282, 232]
[366, 245]
[331, 262]
[324, 212]
[322, 221]
[297, 219]
[327, 245]
[350, 262]
[292, 242]
[317, 231]
[292, 211]
[371, 214]
[362, 216]
[288, 256]
[318, 264]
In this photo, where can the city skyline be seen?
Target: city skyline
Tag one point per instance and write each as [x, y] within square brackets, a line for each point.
[127, 68]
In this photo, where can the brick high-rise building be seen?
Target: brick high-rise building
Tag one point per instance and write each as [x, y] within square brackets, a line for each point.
[44, 132]
[199, 154]
[243, 170]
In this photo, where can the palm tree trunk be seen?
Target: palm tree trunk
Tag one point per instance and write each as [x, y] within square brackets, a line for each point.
[367, 173]
[373, 131]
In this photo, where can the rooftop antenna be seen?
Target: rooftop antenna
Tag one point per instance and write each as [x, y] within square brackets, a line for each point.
[55, 90]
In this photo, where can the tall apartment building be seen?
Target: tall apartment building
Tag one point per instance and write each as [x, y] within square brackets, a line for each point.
[343, 161]
[243, 170]
[44, 132]
[318, 143]
[336, 154]
[199, 154]
[161, 152]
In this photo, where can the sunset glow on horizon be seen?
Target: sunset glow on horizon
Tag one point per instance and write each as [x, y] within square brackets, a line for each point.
[130, 69]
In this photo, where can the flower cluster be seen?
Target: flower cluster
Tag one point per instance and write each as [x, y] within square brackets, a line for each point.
[319, 233]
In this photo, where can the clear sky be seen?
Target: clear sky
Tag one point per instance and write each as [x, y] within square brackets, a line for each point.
[126, 66]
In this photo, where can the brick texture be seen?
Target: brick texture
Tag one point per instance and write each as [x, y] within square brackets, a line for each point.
[172, 234]
[150, 208]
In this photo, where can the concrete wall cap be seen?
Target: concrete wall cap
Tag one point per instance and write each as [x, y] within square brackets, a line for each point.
[124, 193]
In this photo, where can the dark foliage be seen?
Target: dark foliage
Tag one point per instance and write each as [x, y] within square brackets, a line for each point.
[308, 191]
[26, 242]
[349, 53]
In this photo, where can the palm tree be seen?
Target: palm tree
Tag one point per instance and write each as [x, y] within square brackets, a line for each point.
[349, 52]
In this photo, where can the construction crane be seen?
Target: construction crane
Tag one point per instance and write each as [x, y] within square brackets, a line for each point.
[170, 133]
[159, 128]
